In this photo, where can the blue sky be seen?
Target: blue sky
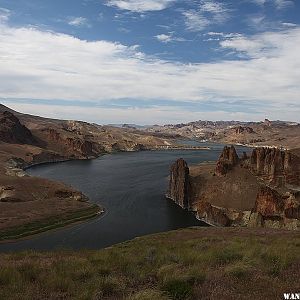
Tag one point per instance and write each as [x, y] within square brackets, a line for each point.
[155, 61]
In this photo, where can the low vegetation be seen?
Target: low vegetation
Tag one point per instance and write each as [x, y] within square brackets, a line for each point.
[204, 263]
[49, 223]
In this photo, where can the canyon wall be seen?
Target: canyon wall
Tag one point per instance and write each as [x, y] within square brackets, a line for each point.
[275, 205]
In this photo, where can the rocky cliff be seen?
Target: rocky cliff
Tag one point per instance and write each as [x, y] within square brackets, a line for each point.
[276, 166]
[179, 185]
[227, 161]
[275, 210]
[13, 132]
[76, 146]
[241, 194]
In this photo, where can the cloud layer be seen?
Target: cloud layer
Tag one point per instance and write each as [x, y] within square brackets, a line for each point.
[140, 5]
[38, 64]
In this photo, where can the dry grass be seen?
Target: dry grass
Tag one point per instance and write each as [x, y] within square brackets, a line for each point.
[210, 263]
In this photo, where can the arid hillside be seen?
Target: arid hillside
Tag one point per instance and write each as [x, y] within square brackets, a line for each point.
[29, 205]
[265, 133]
[188, 264]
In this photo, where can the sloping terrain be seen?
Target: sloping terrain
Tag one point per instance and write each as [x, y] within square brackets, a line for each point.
[189, 264]
[26, 202]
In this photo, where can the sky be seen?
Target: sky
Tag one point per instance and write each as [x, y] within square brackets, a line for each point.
[151, 62]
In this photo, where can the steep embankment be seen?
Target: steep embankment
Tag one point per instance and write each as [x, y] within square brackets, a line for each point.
[29, 205]
[260, 190]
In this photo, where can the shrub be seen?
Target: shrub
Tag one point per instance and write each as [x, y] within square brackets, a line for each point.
[178, 289]
[238, 270]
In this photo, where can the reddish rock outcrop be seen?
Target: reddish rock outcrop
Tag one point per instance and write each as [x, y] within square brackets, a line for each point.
[276, 166]
[269, 203]
[179, 185]
[213, 215]
[75, 146]
[227, 161]
[13, 132]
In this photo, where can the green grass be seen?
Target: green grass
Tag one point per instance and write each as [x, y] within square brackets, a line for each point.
[48, 224]
[185, 264]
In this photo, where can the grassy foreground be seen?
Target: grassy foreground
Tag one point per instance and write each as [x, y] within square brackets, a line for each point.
[49, 223]
[204, 263]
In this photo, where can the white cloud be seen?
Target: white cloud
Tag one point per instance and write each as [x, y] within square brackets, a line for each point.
[140, 5]
[210, 12]
[78, 22]
[168, 38]
[165, 38]
[35, 64]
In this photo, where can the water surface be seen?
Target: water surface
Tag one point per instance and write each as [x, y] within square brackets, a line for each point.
[131, 186]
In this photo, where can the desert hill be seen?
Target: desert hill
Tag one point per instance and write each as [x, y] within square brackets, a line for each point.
[265, 133]
[26, 140]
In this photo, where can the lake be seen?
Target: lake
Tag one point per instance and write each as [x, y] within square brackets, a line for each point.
[131, 186]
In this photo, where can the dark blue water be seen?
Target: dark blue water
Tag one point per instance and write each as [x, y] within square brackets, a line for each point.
[131, 186]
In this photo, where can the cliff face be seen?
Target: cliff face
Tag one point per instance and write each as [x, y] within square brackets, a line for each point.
[179, 185]
[12, 131]
[227, 161]
[275, 210]
[74, 145]
[269, 203]
[247, 195]
[276, 166]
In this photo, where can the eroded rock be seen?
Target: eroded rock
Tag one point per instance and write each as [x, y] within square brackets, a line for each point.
[179, 185]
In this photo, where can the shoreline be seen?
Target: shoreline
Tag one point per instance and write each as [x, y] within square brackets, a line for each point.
[55, 222]
[30, 230]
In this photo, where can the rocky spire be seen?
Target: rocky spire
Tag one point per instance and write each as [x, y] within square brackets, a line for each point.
[227, 160]
[179, 185]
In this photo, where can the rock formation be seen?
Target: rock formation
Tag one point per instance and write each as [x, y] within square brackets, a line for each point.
[276, 166]
[240, 130]
[74, 145]
[213, 215]
[12, 131]
[179, 185]
[227, 161]
[261, 202]
[269, 203]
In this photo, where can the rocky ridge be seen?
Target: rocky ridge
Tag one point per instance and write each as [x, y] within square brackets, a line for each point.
[13, 132]
[273, 174]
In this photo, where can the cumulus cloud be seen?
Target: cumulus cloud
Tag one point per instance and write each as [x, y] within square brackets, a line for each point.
[210, 12]
[37, 64]
[140, 5]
